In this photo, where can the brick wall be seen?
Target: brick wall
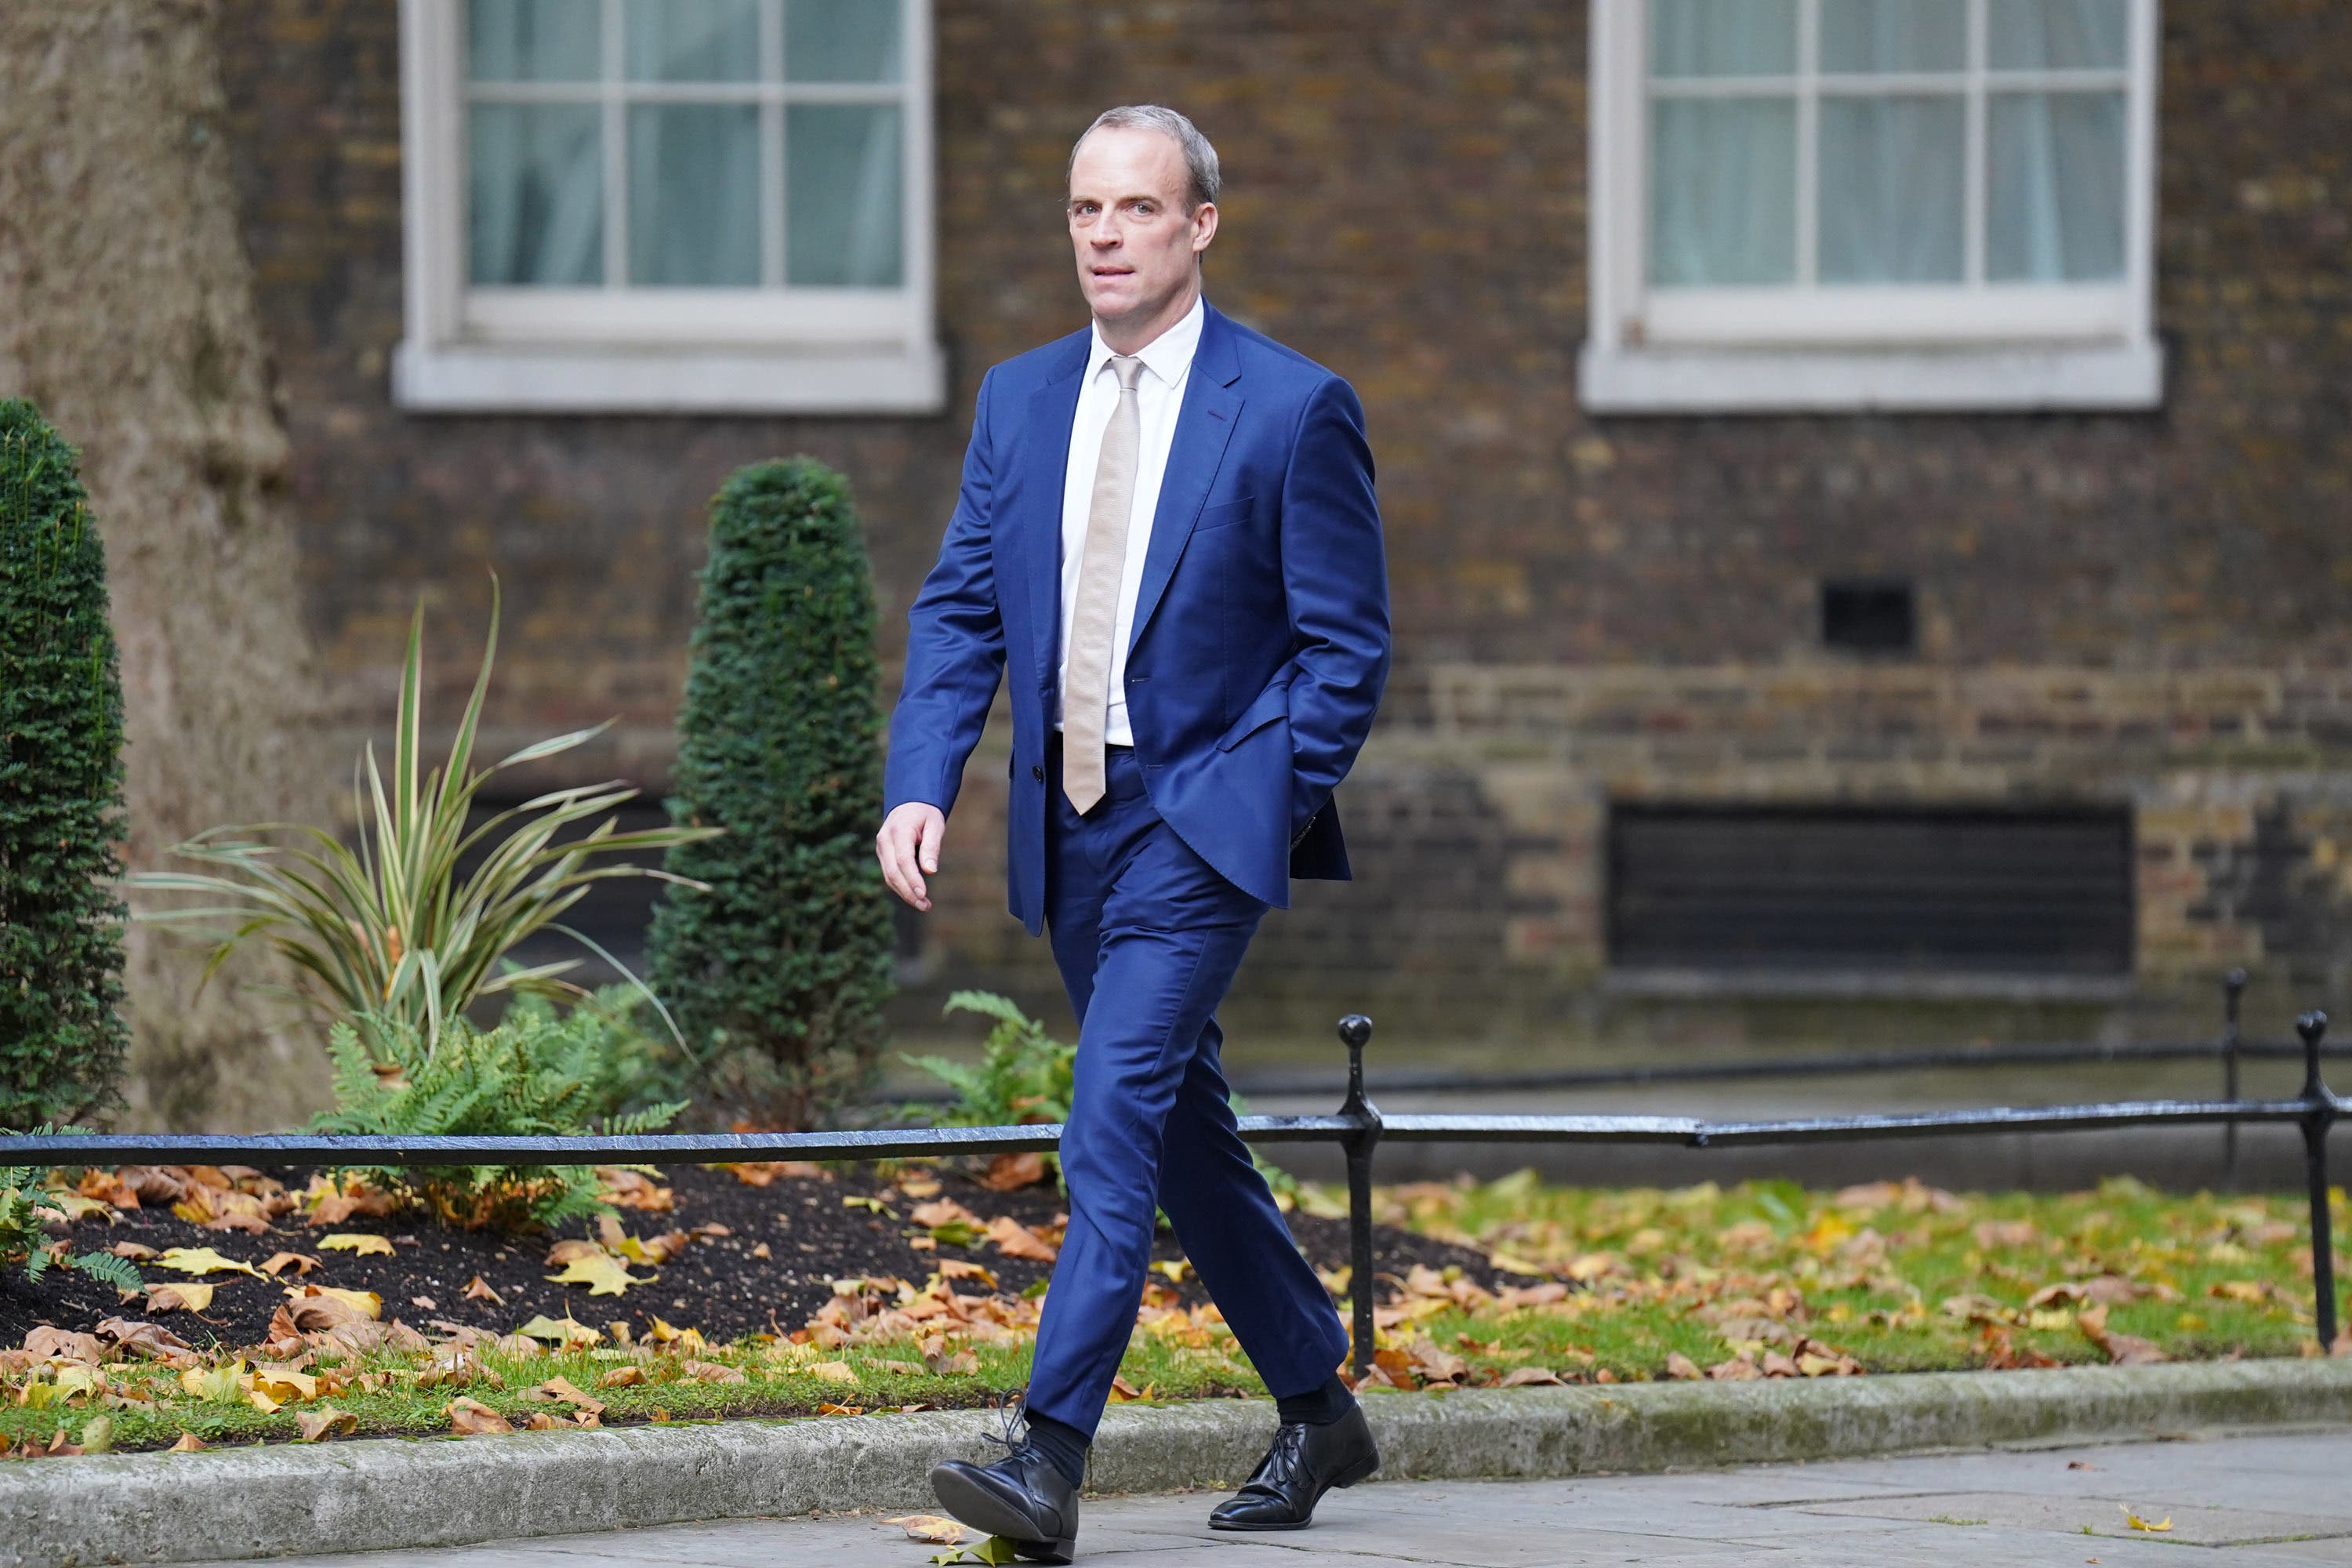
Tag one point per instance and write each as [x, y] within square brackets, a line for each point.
[2118, 609]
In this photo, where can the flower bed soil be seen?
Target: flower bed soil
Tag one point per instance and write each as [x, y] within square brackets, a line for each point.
[816, 1227]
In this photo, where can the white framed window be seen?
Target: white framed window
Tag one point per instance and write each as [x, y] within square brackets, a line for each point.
[1872, 203]
[668, 205]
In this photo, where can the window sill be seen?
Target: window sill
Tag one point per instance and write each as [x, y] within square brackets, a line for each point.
[1863, 984]
[510, 378]
[1655, 380]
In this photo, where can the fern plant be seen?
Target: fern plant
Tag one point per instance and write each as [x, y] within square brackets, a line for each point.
[537, 1072]
[25, 1220]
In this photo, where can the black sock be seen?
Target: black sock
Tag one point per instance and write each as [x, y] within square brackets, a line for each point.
[1063, 1445]
[1317, 1407]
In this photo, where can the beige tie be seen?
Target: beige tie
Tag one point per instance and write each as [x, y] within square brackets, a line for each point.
[1093, 619]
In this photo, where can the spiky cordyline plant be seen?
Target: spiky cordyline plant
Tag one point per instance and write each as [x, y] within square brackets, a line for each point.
[392, 930]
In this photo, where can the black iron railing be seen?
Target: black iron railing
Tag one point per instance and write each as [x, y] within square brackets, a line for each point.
[1358, 1127]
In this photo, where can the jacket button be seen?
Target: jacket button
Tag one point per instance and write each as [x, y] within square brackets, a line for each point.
[1037, 772]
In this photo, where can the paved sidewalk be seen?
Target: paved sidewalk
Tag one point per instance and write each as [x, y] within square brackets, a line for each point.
[2271, 1499]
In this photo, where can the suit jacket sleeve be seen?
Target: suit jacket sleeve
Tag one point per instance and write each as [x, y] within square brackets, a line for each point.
[955, 643]
[1336, 580]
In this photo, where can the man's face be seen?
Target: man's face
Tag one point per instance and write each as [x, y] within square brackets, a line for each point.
[1135, 242]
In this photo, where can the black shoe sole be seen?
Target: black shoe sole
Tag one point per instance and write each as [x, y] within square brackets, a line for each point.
[983, 1511]
[1358, 1471]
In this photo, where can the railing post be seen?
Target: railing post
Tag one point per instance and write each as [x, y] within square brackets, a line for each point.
[1355, 1032]
[2316, 1120]
[2233, 987]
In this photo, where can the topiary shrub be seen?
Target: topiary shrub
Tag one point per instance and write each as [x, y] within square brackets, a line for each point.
[778, 970]
[61, 1038]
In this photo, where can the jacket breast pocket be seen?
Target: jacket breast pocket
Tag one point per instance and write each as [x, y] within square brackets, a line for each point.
[1225, 514]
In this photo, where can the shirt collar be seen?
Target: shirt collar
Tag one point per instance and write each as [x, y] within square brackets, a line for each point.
[1167, 356]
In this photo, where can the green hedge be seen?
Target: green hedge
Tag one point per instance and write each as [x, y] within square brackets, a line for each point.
[779, 973]
[61, 1036]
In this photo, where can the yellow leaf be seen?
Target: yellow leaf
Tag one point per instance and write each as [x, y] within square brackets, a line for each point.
[566, 1333]
[1509, 1263]
[2134, 1521]
[833, 1372]
[283, 1384]
[202, 1261]
[564, 1390]
[604, 1276]
[1175, 1268]
[358, 1242]
[936, 1529]
[187, 1295]
[262, 1402]
[189, 1443]
[215, 1383]
[366, 1303]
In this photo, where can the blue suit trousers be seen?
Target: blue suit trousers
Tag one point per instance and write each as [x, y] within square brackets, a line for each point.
[1148, 937]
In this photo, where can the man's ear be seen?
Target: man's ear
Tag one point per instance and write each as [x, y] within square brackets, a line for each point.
[1205, 225]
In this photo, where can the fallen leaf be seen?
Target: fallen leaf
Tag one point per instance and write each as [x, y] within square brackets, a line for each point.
[2121, 1350]
[202, 1261]
[565, 1390]
[995, 1550]
[189, 1443]
[965, 1269]
[142, 1339]
[477, 1290]
[325, 1422]
[622, 1377]
[1008, 1172]
[711, 1372]
[324, 1306]
[841, 1410]
[833, 1372]
[564, 1251]
[1682, 1368]
[603, 1274]
[44, 1342]
[1120, 1389]
[135, 1251]
[2134, 1521]
[359, 1242]
[541, 1422]
[1521, 1376]
[471, 1417]
[919, 1186]
[187, 1295]
[1018, 1240]
[936, 1529]
[565, 1333]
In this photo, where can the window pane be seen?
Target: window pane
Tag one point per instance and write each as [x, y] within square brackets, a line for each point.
[2058, 35]
[2055, 186]
[1894, 35]
[841, 40]
[535, 40]
[693, 195]
[1892, 189]
[1723, 38]
[693, 41]
[1723, 195]
[841, 188]
[535, 194]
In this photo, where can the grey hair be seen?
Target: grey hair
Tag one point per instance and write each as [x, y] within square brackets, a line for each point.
[1202, 181]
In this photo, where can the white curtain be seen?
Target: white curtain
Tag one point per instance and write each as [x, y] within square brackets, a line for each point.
[842, 184]
[1723, 195]
[1894, 189]
[1723, 38]
[691, 40]
[535, 40]
[2057, 35]
[1894, 35]
[841, 40]
[693, 195]
[535, 194]
[2055, 187]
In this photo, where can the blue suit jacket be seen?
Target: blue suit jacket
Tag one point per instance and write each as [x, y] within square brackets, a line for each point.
[1261, 636]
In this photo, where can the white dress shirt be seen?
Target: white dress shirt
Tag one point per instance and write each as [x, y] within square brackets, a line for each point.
[1158, 394]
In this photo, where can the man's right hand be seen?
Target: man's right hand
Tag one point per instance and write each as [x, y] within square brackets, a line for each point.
[909, 846]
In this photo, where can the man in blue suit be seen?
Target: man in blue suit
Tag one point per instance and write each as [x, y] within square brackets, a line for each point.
[1166, 542]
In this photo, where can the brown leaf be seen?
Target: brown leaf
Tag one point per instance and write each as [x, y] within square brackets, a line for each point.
[541, 1421]
[1738, 1369]
[135, 1251]
[711, 1372]
[479, 1289]
[1009, 1172]
[471, 1417]
[1120, 1389]
[1779, 1365]
[944, 1211]
[2121, 1350]
[189, 1443]
[1681, 1367]
[621, 1377]
[841, 1410]
[45, 1342]
[1521, 1376]
[326, 1421]
[300, 1262]
[564, 1251]
[1018, 1240]
[936, 1528]
[565, 1390]
[142, 1339]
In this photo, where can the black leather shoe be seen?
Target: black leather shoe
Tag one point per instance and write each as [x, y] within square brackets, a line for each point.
[1304, 1463]
[1021, 1496]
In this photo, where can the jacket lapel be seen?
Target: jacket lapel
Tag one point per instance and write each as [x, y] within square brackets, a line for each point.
[1045, 458]
[1204, 423]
